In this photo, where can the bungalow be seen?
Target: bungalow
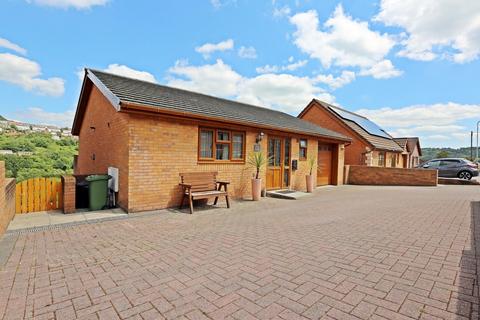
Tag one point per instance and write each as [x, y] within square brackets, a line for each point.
[371, 145]
[151, 133]
[411, 151]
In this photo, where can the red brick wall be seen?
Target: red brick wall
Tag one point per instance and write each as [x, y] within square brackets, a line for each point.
[321, 117]
[363, 175]
[108, 141]
[68, 194]
[162, 148]
[7, 199]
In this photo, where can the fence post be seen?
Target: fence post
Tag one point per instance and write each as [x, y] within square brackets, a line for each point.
[68, 194]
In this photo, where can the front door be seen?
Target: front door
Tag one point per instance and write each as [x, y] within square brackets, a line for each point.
[278, 169]
[324, 169]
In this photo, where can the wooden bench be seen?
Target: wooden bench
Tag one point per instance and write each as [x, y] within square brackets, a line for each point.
[202, 185]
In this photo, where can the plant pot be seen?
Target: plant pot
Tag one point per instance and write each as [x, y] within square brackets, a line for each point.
[309, 179]
[256, 189]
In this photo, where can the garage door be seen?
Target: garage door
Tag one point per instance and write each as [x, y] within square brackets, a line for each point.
[324, 172]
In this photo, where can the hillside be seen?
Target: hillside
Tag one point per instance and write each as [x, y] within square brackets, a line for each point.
[37, 155]
[430, 153]
[2, 118]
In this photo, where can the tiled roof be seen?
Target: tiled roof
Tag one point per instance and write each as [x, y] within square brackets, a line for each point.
[139, 92]
[385, 142]
[410, 143]
[402, 142]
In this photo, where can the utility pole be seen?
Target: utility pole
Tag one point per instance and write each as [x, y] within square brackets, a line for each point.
[478, 124]
[471, 145]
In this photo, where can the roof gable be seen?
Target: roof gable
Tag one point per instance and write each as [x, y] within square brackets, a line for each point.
[363, 127]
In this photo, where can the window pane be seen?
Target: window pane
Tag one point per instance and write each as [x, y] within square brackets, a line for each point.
[223, 151]
[237, 146]
[287, 153]
[223, 136]
[303, 152]
[278, 151]
[206, 144]
[303, 143]
[271, 149]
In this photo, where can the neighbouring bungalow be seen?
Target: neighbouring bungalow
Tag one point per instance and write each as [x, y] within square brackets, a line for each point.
[411, 151]
[371, 145]
[151, 133]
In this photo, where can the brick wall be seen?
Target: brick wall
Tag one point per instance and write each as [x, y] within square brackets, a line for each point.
[7, 199]
[103, 142]
[68, 194]
[162, 148]
[321, 117]
[363, 175]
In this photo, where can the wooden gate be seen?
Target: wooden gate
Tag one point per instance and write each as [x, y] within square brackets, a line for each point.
[39, 194]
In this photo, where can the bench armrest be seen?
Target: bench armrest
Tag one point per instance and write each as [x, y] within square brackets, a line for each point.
[185, 185]
[223, 182]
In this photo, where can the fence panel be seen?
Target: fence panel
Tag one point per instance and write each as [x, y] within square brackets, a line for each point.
[39, 194]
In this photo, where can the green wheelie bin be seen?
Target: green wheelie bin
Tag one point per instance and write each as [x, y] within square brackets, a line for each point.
[98, 191]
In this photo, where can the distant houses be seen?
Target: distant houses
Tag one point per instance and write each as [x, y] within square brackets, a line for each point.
[17, 126]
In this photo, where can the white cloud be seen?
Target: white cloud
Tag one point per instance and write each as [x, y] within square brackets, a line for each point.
[429, 122]
[123, 70]
[214, 79]
[342, 41]
[336, 82]
[208, 48]
[435, 27]
[41, 116]
[4, 43]
[278, 91]
[77, 4]
[281, 12]
[26, 74]
[382, 70]
[247, 52]
[292, 66]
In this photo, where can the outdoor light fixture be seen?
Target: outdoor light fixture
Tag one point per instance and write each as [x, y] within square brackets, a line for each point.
[260, 137]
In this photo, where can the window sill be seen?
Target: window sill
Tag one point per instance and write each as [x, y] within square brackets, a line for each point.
[221, 162]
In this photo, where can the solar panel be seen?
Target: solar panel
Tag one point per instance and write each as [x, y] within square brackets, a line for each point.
[366, 124]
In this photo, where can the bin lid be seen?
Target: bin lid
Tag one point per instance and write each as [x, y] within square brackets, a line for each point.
[98, 177]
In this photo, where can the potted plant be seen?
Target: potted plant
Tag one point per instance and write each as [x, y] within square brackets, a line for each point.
[309, 177]
[257, 160]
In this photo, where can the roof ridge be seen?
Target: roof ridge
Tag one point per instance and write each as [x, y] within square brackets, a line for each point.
[190, 91]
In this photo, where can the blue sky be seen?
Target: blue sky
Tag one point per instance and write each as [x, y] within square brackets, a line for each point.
[412, 68]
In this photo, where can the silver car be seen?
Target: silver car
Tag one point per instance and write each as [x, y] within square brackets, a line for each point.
[453, 168]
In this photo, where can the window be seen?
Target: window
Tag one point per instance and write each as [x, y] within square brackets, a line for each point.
[237, 145]
[303, 149]
[394, 161]
[221, 145]
[206, 144]
[381, 159]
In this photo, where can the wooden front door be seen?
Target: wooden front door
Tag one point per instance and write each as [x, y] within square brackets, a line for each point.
[278, 169]
[324, 170]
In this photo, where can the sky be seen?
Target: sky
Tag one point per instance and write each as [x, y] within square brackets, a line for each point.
[411, 66]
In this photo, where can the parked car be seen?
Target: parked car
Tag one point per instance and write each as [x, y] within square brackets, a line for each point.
[453, 168]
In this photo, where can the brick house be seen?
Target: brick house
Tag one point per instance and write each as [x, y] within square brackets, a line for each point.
[371, 145]
[151, 133]
[411, 151]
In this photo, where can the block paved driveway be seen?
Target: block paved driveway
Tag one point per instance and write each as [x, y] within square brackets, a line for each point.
[344, 253]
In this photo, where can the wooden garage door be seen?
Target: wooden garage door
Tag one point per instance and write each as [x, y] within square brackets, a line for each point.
[324, 171]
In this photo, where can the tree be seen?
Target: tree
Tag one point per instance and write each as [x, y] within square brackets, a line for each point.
[443, 154]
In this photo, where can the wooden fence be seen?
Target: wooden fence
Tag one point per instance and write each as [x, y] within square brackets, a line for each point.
[38, 194]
